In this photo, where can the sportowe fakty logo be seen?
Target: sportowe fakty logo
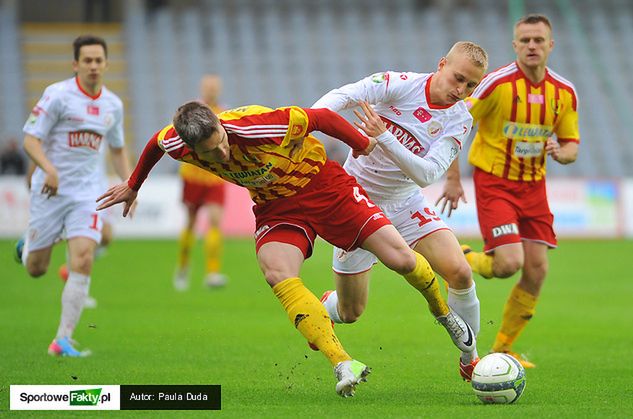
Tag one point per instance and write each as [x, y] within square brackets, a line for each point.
[88, 397]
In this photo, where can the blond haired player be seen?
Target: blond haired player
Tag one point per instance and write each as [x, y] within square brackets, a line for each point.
[202, 190]
[421, 124]
[519, 109]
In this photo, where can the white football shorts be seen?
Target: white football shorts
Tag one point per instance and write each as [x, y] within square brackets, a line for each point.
[414, 219]
[50, 217]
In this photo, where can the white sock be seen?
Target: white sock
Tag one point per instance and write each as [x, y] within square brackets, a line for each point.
[73, 300]
[466, 304]
[331, 305]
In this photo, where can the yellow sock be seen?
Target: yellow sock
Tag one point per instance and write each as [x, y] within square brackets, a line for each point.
[186, 241]
[518, 310]
[480, 263]
[423, 279]
[308, 315]
[213, 249]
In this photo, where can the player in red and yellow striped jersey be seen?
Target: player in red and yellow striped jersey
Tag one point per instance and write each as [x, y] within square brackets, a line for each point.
[518, 108]
[299, 194]
[202, 189]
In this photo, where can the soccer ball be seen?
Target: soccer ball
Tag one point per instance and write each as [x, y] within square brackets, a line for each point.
[498, 378]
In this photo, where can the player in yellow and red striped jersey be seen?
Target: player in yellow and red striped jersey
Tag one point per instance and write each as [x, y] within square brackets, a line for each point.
[519, 109]
[298, 194]
[202, 189]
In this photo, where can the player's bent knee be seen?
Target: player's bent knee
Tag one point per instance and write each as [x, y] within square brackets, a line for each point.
[275, 276]
[507, 268]
[460, 277]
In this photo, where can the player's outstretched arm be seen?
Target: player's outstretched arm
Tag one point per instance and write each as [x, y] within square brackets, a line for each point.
[117, 194]
[453, 190]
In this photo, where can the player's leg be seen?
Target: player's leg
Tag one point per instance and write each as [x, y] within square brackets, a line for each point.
[186, 242]
[281, 253]
[214, 246]
[83, 230]
[393, 251]
[521, 304]
[443, 252]
[351, 278]
[46, 223]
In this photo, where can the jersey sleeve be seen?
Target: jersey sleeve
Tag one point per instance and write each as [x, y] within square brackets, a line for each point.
[377, 88]
[334, 125]
[567, 127]
[426, 170]
[44, 114]
[115, 134]
[151, 154]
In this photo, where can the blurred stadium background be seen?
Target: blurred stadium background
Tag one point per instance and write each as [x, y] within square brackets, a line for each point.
[281, 52]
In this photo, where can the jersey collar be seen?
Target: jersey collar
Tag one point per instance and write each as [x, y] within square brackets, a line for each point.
[427, 93]
[86, 93]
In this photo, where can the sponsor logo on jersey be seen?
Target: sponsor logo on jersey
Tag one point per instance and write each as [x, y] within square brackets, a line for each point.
[422, 115]
[434, 129]
[527, 149]
[404, 137]
[87, 139]
[92, 110]
[395, 110]
[504, 230]
[254, 177]
[517, 130]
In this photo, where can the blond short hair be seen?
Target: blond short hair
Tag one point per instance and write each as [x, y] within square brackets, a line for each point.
[477, 55]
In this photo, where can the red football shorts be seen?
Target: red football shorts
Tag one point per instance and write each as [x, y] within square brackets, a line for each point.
[511, 211]
[196, 194]
[333, 205]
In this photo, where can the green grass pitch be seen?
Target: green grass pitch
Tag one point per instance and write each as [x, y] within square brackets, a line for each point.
[143, 332]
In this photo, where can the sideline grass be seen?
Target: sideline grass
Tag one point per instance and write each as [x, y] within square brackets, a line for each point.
[145, 333]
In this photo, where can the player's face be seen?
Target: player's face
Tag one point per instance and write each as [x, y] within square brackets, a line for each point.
[457, 77]
[532, 43]
[90, 66]
[214, 149]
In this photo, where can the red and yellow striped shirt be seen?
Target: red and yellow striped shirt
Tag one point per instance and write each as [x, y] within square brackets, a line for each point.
[271, 151]
[516, 117]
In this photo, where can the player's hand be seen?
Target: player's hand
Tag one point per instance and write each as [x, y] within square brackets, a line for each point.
[51, 183]
[370, 122]
[453, 193]
[367, 150]
[552, 147]
[116, 194]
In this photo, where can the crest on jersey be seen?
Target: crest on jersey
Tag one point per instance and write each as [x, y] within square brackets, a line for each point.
[434, 129]
[92, 110]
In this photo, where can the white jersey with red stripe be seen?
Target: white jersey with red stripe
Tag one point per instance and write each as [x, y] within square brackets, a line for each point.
[428, 132]
[72, 126]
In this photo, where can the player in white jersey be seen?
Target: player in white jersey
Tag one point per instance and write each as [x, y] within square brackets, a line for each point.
[421, 124]
[62, 137]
